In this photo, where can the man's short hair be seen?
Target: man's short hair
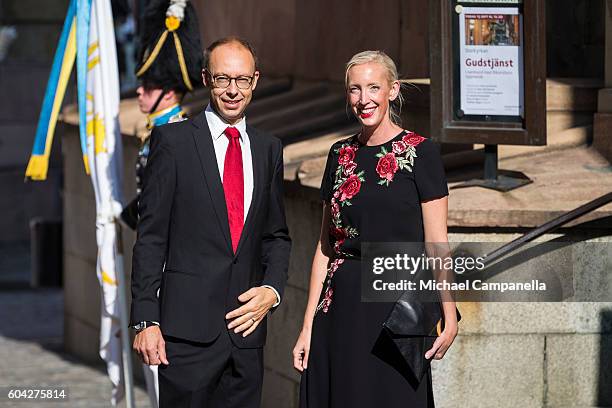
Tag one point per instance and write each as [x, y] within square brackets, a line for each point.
[228, 40]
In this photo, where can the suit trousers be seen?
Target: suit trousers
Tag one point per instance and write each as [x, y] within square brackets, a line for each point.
[210, 375]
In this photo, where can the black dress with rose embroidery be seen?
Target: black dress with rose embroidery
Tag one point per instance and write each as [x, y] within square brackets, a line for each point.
[375, 195]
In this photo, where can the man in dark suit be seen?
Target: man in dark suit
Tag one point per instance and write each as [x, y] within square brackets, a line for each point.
[212, 252]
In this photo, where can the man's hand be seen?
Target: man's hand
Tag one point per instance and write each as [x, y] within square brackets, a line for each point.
[247, 317]
[150, 346]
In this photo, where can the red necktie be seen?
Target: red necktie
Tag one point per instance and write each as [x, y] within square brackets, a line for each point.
[233, 185]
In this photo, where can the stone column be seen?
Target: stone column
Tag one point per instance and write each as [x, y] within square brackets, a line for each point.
[602, 138]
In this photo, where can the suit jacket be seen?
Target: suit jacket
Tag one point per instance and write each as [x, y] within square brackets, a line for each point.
[183, 225]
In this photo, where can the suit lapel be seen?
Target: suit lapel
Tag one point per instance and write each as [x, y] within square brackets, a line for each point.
[258, 173]
[210, 170]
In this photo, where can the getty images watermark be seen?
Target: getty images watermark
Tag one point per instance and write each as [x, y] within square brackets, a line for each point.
[549, 271]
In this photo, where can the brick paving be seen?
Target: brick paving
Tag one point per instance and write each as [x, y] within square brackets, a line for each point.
[31, 353]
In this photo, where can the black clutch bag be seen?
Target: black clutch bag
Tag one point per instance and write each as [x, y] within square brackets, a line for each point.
[413, 326]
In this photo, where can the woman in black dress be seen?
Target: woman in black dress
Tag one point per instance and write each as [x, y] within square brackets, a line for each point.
[383, 184]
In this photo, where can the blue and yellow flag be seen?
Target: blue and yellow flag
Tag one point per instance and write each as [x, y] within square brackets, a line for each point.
[54, 95]
[88, 37]
[73, 44]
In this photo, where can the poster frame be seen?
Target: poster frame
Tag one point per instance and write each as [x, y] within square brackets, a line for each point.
[446, 127]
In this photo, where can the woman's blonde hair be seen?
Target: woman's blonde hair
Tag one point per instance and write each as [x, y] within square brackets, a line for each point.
[395, 106]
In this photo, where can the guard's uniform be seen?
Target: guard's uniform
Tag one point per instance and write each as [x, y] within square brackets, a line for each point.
[170, 59]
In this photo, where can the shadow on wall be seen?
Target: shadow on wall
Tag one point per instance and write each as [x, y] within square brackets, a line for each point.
[604, 392]
[575, 36]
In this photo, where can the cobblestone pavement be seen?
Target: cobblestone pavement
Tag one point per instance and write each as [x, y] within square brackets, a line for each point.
[31, 327]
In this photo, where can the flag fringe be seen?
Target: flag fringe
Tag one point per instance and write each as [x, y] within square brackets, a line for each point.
[37, 167]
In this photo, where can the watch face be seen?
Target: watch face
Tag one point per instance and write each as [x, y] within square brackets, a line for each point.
[144, 325]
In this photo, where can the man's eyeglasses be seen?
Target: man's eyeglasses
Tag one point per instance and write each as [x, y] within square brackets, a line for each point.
[223, 81]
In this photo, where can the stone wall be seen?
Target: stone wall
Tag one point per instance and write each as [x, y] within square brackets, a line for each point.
[545, 354]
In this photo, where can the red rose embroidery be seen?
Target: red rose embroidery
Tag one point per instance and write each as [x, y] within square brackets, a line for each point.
[350, 187]
[335, 208]
[329, 291]
[349, 168]
[399, 147]
[347, 154]
[387, 166]
[338, 245]
[327, 299]
[338, 233]
[412, 140]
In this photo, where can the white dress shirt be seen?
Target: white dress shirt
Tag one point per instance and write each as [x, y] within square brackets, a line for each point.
[217, 127]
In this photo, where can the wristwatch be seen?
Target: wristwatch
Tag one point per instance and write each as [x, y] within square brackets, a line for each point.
[143, 325]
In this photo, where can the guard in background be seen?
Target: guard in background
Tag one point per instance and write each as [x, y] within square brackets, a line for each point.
[170, 65]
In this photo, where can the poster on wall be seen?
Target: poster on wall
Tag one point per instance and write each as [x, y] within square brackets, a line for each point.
[491, 61]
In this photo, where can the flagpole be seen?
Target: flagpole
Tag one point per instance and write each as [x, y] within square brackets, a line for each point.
[126, 352]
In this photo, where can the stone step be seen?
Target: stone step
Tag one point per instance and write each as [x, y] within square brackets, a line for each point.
[557, 121]
[311, 127]
[311, 108]
[572, 94]
[317, 147]
[293, 96]
[572, 137]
